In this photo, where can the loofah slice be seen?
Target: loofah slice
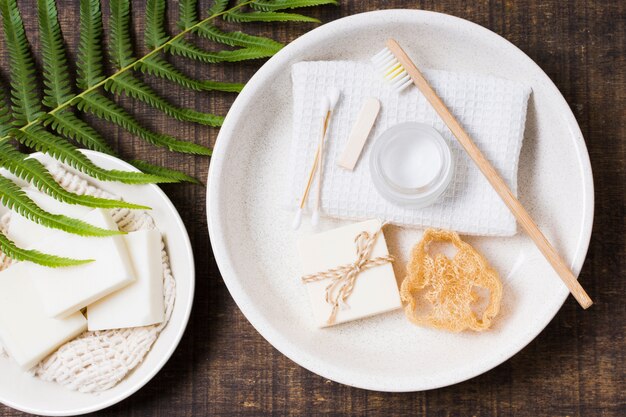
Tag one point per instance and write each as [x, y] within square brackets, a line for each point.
[454, 294]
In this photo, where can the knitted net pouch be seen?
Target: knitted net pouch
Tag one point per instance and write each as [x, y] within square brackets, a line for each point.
[97, 361]
[454, 294]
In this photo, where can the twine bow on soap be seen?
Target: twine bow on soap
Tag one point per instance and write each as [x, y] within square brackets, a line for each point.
[343, 278]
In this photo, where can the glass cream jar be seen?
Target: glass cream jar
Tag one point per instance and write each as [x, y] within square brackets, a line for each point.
[411, 164]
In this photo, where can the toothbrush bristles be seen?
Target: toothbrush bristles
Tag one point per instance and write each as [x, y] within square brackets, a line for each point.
[392, 70]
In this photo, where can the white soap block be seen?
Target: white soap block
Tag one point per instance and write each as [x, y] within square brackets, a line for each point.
[140, 303]
[25, 232]
[26, 331]
[375, 290]
[64, 291]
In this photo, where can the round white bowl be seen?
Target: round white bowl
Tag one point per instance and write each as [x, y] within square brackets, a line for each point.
[32, 395]
[255, 248]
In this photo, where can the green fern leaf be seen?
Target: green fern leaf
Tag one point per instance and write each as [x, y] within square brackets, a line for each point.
[261, 16]
[28, 117]
[187, 13]
[135, 88]
[183, 48]
[158, 66]
[5, 115]
[56, 76]
[274, 5]
[26, 103]
[10, 249]
[106, 109]
[43, 141]
[69, 125]
[121, 49]
[163, 172]
[238, 39]
[90, 71]
[219, 6]
[155, 34]
[34, 172]
[13, 198]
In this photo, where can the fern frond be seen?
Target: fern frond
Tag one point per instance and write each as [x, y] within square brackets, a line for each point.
[43, 141]
[121, 48]
[274, 5]
[219, 6]
[56, 81]
[135, 88]
[238, 39]
[106, 109]
[26, 103]
[33, 171]
[163, 172]
[183, 48]
[158, 66]
[187, 13]
[13, 198]
[261, 16]
[155, 34]
[90, 71]
[10, 249]
[69, 125]
[32, 120]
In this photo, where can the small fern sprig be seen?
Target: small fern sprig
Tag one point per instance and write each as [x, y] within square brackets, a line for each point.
[10, 249]
[35, 172]
[14, 198]
[52, 122]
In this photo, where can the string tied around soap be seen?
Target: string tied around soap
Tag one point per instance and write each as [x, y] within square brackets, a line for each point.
[343, 278]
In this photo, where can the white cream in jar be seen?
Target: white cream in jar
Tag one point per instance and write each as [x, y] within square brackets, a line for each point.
[411, 164]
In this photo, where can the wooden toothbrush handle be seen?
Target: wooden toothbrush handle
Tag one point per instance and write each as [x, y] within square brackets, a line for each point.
[493, 177]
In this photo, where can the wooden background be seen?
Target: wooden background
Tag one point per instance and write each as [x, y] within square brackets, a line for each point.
[575, 367]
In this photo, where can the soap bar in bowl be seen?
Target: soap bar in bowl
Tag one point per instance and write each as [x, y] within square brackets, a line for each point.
[375, 290]
[64, 291]
[140, 303]
[26, 331]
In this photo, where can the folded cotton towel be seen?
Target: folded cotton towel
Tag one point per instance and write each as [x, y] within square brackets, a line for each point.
[492, 110]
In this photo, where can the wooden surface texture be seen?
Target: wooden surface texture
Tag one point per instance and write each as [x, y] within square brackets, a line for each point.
[576, 366]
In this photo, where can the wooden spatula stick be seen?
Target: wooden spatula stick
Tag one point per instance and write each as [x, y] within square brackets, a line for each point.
[493, 177]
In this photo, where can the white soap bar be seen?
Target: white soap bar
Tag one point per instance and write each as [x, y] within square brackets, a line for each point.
[26, 332]
[25, 232]
[64, 291]
[140, 303]
[375, 290]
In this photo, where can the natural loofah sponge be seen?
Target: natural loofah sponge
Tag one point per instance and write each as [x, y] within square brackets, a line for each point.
[450, 294]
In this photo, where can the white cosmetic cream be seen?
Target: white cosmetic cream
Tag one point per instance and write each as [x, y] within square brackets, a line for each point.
[411, 164]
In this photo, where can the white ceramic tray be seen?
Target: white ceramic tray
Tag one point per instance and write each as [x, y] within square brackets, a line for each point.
[26, 393]
[255, 248]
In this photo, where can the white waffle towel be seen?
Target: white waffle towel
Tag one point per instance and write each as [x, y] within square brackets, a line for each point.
[492, 110]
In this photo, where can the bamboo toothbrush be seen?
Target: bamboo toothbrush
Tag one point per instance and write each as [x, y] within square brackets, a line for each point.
[398, 68]
[325, 110]
[333, 98]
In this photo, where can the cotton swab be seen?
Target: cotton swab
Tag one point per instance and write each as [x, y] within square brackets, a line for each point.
[325, 111]
[333, 98]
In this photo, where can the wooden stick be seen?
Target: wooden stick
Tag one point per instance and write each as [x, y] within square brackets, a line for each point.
[315, 162]
[492, 176]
